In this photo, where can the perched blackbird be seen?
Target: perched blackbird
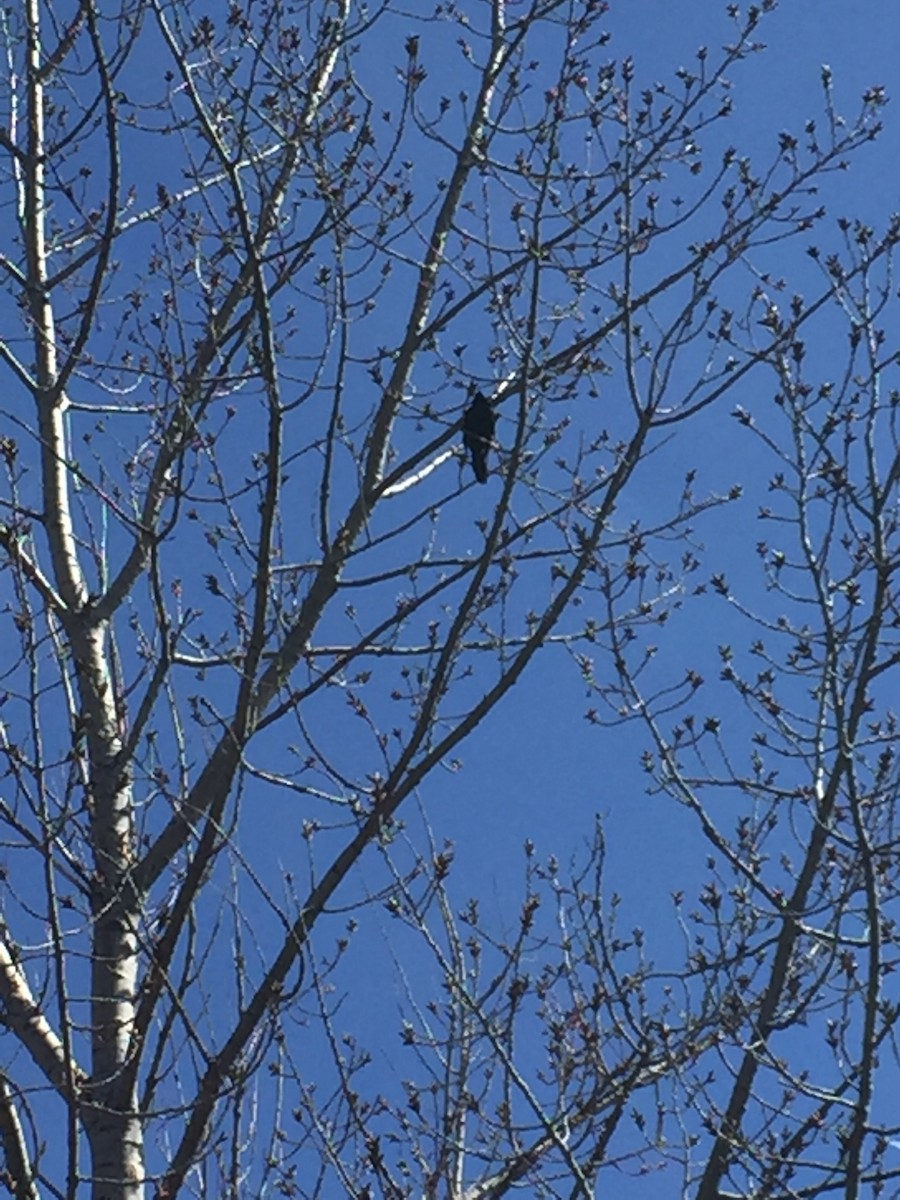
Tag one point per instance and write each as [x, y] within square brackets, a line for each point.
[478, 434]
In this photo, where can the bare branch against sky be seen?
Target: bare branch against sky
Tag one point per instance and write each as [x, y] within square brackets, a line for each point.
[449, 531]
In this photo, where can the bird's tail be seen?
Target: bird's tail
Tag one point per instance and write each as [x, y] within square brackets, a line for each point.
[479, 463]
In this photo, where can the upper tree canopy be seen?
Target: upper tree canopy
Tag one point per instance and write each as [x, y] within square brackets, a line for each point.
[257, 262]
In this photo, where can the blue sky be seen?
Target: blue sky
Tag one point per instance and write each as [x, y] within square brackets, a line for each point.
[536, 769]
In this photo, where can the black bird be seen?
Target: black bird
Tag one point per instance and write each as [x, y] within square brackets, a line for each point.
[479, 420]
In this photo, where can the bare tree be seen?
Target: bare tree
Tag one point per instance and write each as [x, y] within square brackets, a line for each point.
[256, 265]
[796, 931]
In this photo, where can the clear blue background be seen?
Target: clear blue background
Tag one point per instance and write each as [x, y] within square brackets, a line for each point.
[537, 769]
